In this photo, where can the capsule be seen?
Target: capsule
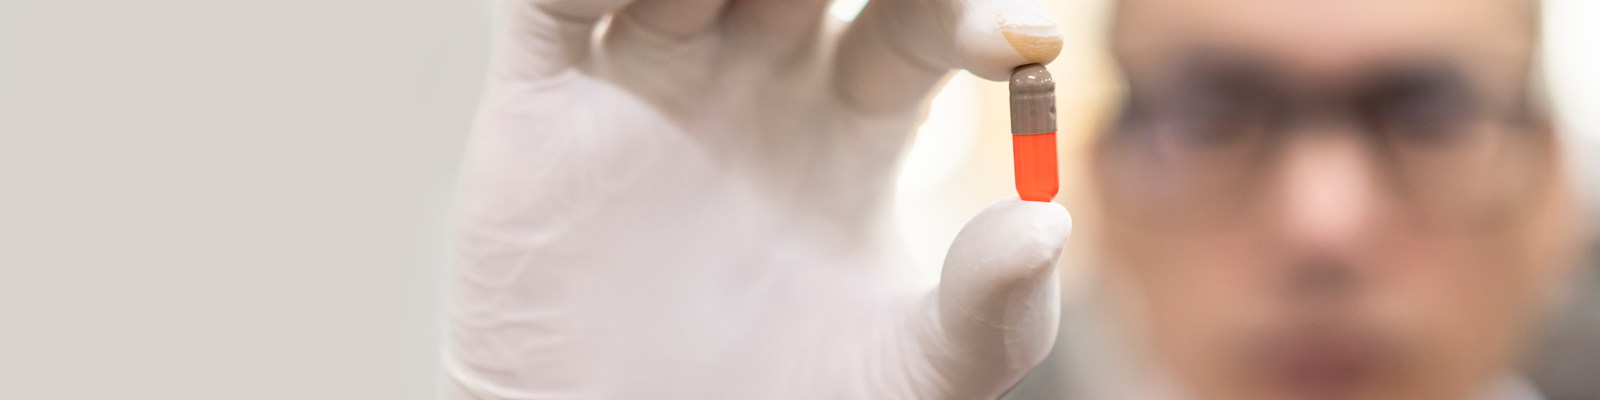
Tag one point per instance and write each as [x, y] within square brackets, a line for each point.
[1033, 132]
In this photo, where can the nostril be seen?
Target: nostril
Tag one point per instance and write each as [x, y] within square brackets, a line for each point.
[1322, 280]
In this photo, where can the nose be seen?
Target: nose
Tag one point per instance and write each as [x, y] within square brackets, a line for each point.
[1329, 187]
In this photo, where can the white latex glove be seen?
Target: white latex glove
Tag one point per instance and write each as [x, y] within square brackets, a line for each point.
[694, 204]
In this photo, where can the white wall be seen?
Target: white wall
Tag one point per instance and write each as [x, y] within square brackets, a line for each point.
[227, 199]
[1572, 68]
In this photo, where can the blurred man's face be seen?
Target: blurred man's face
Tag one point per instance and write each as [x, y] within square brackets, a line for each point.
[1331, 199]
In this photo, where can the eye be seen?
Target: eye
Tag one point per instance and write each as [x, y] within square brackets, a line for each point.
[1218, 107]
[1427, 106]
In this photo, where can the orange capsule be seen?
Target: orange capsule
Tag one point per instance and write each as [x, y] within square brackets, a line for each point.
[1033, 132]
[1035, 160]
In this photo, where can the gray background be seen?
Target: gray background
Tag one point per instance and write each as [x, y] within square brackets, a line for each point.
[225, 199]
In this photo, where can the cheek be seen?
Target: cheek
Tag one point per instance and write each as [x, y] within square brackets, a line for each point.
[1452, 305]
[1203, 297]
[1482, 182]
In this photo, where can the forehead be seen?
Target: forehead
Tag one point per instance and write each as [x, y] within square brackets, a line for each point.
[1327, 36]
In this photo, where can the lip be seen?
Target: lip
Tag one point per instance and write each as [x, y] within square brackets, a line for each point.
[1323, 365]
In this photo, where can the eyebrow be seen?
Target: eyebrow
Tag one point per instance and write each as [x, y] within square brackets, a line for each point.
[1229, 72]
[1218, 64]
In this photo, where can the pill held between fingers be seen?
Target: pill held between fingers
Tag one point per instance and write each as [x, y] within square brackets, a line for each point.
[1033, 132]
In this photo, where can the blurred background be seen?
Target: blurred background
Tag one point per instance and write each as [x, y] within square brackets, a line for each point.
[248, 200]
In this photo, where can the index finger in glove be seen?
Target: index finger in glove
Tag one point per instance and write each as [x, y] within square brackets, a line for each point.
[898, 50]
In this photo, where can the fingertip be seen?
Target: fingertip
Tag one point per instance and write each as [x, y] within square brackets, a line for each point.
[1023, 236]
[1042, 221]
[997, 36]
[1034, 36]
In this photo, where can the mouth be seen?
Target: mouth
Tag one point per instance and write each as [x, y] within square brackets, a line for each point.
[1322, 365]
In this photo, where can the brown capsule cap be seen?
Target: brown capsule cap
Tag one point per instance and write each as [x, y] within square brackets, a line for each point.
[1033, 100]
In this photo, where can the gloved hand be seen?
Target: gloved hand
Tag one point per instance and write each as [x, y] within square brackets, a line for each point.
[694, 204]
